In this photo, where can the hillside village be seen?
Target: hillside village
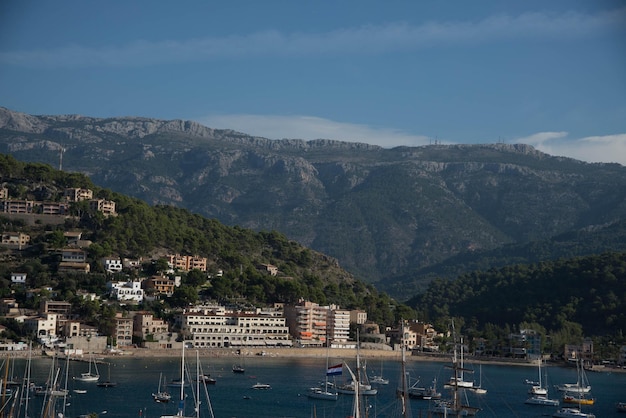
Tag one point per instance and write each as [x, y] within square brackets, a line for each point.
[55, 324]
[210, 325]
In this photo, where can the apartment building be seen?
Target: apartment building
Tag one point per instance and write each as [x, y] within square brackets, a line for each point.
[15, 240]
[186, 262]
[216, 326]
[54, 208]
[307, 323]
[123, 331]
[358, 316]
[144, 325]
[160, 285]
[415, 335]
[77, 194]
[107, 207]
[338, 323]
[16, 206]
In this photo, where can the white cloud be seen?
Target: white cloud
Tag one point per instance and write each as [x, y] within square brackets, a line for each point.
[366, 39]
[606, 149]
[309, 127]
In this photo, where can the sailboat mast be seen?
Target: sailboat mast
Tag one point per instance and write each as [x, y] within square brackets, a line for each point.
[181, 403]
[406, 411]
[26, 389]
[197, 402]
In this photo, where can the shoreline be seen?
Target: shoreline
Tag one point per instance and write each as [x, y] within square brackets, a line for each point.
[316, 352]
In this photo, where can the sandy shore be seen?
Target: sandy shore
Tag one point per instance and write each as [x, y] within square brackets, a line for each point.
[334, 353]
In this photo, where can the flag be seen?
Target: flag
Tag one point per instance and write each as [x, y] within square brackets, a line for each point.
[334, 370]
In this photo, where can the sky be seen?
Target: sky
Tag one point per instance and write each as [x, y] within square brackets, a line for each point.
[551, 74]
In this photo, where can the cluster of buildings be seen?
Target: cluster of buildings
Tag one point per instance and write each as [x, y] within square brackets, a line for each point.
[305, 324]
[61, 207]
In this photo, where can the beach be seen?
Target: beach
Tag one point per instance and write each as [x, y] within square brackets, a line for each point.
[308, 352]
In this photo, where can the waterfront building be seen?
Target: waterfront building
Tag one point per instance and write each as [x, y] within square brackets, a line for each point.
[211, 326]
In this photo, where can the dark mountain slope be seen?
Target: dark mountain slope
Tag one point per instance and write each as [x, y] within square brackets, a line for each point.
[380, 212]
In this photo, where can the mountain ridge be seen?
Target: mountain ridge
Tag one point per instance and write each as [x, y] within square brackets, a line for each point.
[383, 213]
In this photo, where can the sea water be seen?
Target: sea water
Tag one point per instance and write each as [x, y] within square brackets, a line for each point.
[290, 379]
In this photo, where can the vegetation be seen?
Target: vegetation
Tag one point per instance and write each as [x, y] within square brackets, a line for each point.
[141, 231]
[396, 218]
[565, 300]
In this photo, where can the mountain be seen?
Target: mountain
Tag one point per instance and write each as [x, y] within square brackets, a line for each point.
[387, 215]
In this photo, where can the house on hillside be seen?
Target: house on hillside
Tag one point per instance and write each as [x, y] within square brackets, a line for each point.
[268, 268]
[15, 240]
[160, 285]
[112, 265]
[126, 291]
[18, 278]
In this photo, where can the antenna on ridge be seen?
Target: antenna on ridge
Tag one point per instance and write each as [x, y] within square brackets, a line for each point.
[61, 151]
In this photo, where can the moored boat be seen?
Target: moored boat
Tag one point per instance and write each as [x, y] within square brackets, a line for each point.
[571, 413]
[90, 375]
[323, 393]
[161, 396]
[582, 384]
[578, 399]
[206, 378]
[541, 400]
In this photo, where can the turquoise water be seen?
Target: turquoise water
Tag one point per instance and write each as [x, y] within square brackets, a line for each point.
[290, 378]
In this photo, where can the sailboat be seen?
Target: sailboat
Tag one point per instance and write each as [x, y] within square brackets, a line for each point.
[181, 399]
[403, 388]
[161, 395]
[196, 393]
[89, 376]
[361, 383]
[581, 385]
[379, 379]
[322, 392]
[539, 392]
[579, 394]
[537, 388]
[107, 383]
[364, 388]
[453, 406]
[53, 392]
[459, 380]
[480, 389]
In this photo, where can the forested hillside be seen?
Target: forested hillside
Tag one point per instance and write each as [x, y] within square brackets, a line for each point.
[393, 217]
[587, 294]
[140, 230]
[566, 299]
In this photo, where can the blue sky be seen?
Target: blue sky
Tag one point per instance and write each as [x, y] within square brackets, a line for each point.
[547, 73]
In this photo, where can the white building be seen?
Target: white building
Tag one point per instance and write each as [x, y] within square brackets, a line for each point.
[215, 326]
[338, 324]
[18, 278]
[112, 265]
[43, 326]
[126, 291]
